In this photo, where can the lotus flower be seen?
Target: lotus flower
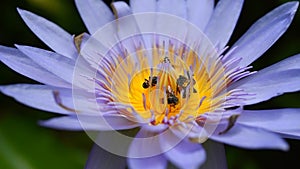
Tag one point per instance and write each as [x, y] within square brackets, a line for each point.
[160, 68]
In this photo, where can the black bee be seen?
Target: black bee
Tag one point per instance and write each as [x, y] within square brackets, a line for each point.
[146, 84]
[172, 100]
[183, 82]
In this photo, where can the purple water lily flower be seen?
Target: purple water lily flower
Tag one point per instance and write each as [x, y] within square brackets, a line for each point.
[164, 71]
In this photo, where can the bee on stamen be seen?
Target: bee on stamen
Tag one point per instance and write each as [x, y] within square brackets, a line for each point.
[183, 82]
[147, 83]
[166, 60]
[172, 100]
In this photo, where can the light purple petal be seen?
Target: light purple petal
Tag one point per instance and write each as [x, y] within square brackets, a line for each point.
[278, 120]
[157, 162]
[40, 96]
[52, 35]
[292, 134]
[264, 33]
[94, 14]
[292, 62]
[189, 130]
[199, 12]
[223, 21]
[20, 63]
[173, 7]
[265, 85]
[102, 159]
[251, 138]
[89, 122]
[145, 148]
[53, 62]
[182, 153]
[121, 9]
[143, 6]
[216, 156]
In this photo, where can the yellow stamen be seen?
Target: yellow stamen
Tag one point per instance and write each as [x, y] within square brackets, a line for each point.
[168, 89]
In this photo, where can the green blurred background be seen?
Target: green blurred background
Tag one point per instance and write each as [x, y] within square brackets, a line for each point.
[25, 145]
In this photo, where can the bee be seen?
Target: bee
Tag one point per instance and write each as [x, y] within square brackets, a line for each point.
[166, 60]
[183, 82]
[172, 100]
[147, 83]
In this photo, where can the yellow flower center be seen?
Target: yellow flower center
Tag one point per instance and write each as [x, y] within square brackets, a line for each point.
[173, 83]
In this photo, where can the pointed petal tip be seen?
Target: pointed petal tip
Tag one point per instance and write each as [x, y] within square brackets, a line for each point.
[23, 12]
[20, 10]
[42, 123]
[285, 147]
[17, 45]
[20, 47]
[293, 6]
